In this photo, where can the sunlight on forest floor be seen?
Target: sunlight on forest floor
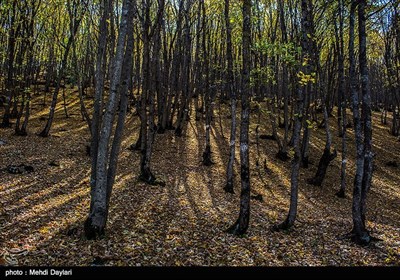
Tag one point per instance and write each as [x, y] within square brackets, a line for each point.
[184, 222]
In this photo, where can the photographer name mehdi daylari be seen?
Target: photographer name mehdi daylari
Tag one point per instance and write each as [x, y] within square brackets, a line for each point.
[58, 272]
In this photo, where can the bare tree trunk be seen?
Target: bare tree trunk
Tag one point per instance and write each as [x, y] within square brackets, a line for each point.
[360, 234]
[75, 22]
[306, 23]
[84, 111]
[207, 96]
[232, 94]
[96, 221]
[148, 133]
[327, 155]
[366, 116]
[99, 89]
[10, 67]
[241, 225]
[341, 92]
[186, 93]
[123, 107]
[282, 153]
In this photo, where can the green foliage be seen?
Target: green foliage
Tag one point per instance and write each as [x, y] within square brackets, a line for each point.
[288, 53]
[262, 75]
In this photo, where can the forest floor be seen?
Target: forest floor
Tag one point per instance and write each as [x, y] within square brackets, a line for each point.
[184, 222]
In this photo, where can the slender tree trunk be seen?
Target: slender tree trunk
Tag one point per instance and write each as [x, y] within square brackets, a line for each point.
[304, 148]
[96, 222]
[207, 161]
[49, 69]
[306, 25]
[101, 61]
[366, 115]
[123, 106]
[360, 234]
[282, 154]
[327, 155]
[10, 67]
[241, 225]
[341, 92]
[76, 22]
[186, 93]
[84, 111]
[232, 94]
[148, 133]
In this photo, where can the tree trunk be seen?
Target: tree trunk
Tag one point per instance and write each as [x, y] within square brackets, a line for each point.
[231, 91]
[207, 96]
[360, 234]
[84, 112]
[76, 22]
[366, 116]
[342, 105]
[96, 222]
[101, 61]
[148, 128]
[10, 67]
[241, 225]
[306, 23]
[282, 154]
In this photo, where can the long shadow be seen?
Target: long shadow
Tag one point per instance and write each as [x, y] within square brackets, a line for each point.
[29, 197]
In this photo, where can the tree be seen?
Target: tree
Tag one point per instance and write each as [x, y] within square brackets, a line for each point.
[76, 11]
[106, 161]
[305, 79]
[10, 65]
[148, 128]
[342, 112]
[241, 225]
[232, 94]
[327, 155]
[363, 131]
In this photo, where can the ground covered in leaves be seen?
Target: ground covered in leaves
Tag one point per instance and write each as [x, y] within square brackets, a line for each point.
[184, 222]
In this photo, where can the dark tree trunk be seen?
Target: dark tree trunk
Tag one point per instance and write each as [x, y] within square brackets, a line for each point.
[323, 164]
[283, 154]
[304, 147]
[84, 112]
[75, 22]
[342, 105]
[123, 106]
[186, 92]
[10, 67]
[241, 225]
[99, 89]
[49, 70]
[231, 91]
[306, 24]
[148, 127]
[207, 161]
[366, 115]
[96, 222]
[359, 233]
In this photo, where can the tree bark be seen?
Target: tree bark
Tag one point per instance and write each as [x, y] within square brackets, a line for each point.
[231, 91]
[342, 105]
[359, 233]
[366, 116]
[10, 67]
[96, 222]
[305, 68]
[75, 22]
[101, 61]
[241, 225]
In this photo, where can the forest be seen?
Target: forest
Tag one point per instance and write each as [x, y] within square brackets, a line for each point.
[199, 132]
